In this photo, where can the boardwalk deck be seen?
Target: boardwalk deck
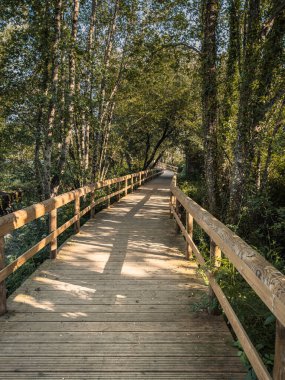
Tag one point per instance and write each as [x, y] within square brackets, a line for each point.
[117, 304]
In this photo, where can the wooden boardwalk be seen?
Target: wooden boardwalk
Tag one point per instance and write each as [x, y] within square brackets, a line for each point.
[117, 303]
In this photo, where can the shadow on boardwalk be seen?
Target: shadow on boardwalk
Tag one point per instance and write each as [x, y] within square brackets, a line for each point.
[117, 304]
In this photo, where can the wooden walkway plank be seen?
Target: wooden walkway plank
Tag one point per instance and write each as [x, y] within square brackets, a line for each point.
[117, 303]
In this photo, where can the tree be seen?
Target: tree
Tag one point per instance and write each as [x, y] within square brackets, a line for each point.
[210, 11]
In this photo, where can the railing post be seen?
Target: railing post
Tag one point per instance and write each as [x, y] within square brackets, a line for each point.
[279, 358]
[126, 186]
[215, 254]
[140, 179]
[92, 198]
[215, 259]
[189, 229]
[119, 188]
[3, 298]
[175, 203]
[171, 202]
[109, 198]
[52, 228]
[177, 209]
[76, 212]
[132, 183]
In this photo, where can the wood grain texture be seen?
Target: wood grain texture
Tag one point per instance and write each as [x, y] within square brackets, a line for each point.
[5, 271]
[117, 303]
[265, 280]
[19, 218]
[240, 332]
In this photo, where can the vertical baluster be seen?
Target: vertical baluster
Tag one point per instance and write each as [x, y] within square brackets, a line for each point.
[215, 259]
[76, 212]
[132, 183]
[189, 228]
[171, 201]
[140, 179]
[52, 228]
[119, 188]
[109, 198]
[279, 358]
[3, 300]
[177, 209]
[92, 198]
[126, 186]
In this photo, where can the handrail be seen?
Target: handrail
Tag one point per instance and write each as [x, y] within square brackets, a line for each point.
[163, 165]
[17, 219]
[267, 282]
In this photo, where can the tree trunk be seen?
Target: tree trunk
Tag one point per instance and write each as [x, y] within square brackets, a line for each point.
[48, 138]
[71, 100]
[243, 151]
[209, 100]
[253, 107]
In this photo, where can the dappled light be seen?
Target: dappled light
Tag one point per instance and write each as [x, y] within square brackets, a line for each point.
[29, 300]
[142, 189]
[122, 281]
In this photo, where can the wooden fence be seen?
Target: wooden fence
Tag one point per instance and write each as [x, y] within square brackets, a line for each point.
[164, 166]
[17, 219]
[266, 281]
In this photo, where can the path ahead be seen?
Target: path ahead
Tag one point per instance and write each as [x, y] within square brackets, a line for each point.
[117, 304]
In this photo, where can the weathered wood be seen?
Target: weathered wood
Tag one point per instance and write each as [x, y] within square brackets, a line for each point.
[177, 210]
[123, 349]
[132, 183]
[119, 364]
[12, 267]
[171, 200]
[215, 260]
[119, 191]
[240, 332]
[126, 187]
[265, 280]
[19, 218]
[3, 303]
[76, 213]
[52, 228]
[116, 303]
[279, 358]
[6, 271]
[124, 375]
[109, 196]
[92, 199]
[165, 166]
[189, 229]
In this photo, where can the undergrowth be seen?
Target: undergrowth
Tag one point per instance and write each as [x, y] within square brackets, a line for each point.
[261, 225]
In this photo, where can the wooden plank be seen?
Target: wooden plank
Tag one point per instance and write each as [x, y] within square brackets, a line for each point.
[279, 358]
[98, 364]
[117, 349]
[52, 228]
[265, 280]
[246, 343]
[73, 325]
[3, 304]
[77, 214]
[80, 316]
[19, 218]
[118, 300]
[110, 308]
[41, 298]
[149, 375]
[171, 337]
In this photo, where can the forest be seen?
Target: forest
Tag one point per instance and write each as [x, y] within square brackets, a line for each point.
[95, 89]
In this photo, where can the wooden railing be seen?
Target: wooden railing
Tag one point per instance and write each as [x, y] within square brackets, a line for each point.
[267, 282]
[164, 166]
[17, 219]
